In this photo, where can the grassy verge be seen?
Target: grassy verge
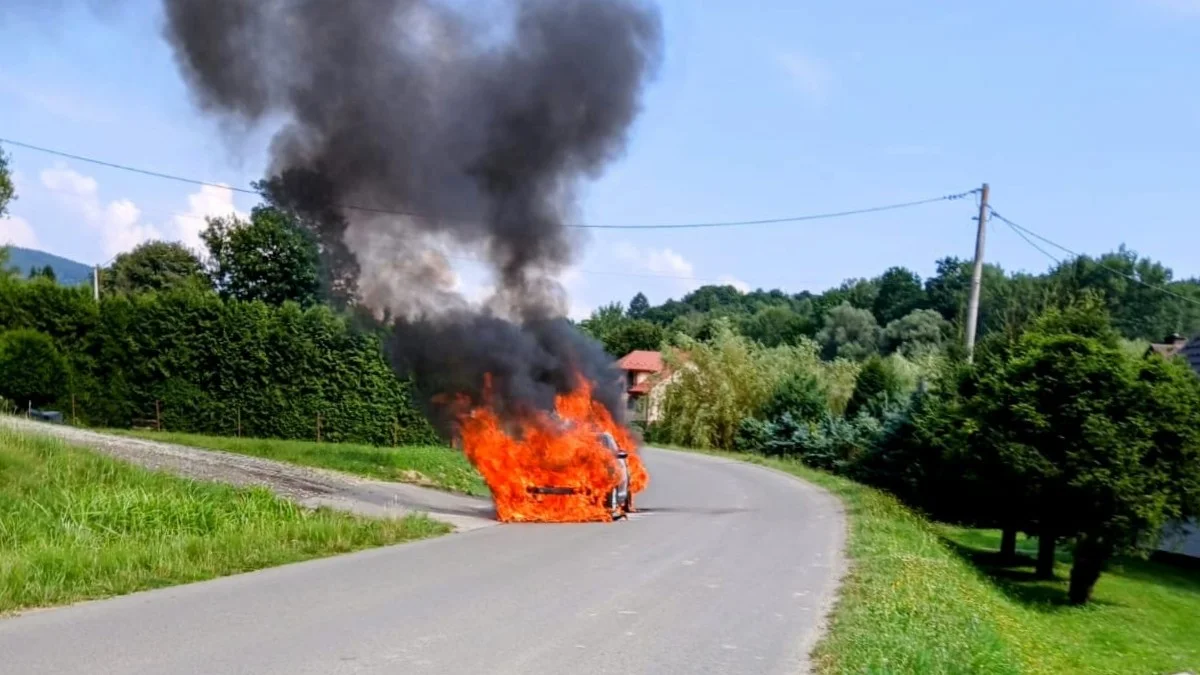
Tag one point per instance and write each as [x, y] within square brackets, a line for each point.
[919, 599]
[76, 526]
[433, 466]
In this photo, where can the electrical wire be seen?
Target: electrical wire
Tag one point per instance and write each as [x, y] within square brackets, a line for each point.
[1019, 229]
[394, 212]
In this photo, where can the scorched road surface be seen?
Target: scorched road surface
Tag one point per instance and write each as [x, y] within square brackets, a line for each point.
[729, 568]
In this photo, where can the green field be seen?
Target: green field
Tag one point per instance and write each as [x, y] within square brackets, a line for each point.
[921, 598]
[433, 466]
[75, 525]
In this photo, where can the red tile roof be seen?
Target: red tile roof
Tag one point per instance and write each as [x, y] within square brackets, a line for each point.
[641, 361]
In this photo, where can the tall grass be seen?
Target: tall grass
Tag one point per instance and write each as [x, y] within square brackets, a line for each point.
[434, 466]
[920, 598]
[75, 525]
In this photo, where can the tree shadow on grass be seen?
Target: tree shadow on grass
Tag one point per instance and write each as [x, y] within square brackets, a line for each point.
[1178, 577]
[1016, 578]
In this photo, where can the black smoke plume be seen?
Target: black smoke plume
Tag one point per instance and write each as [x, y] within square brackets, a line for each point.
[413, 130]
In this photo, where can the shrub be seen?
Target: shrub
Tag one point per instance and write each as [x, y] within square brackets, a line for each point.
[32, 371]
[208, 361]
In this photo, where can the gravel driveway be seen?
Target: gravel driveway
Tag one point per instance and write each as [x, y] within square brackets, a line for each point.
[304, 485]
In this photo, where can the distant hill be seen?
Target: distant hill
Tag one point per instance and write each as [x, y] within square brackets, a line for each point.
[68, 272]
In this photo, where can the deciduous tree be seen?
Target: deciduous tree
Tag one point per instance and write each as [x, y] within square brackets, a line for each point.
[849, 332]
[155, 266]
[268, 258]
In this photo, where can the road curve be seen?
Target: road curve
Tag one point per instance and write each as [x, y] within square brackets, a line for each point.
[729, 568]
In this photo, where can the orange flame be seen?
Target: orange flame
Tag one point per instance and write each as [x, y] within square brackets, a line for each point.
[565, 455]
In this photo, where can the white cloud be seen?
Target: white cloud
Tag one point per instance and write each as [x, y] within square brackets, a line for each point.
[664, 262]
[811, 76]
[209, 201]
[730, 280]
[16, 231]
[118, 222]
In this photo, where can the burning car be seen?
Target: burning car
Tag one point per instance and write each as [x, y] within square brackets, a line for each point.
[572, 464]
[619, 500]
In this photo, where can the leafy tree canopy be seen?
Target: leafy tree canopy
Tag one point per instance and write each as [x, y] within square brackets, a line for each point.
[849, 332]
[8, 191]
[638, 306]
[155, 266]
[268, 258]
[922, 331]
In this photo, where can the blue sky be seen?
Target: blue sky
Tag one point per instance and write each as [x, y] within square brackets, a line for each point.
[1084, 116]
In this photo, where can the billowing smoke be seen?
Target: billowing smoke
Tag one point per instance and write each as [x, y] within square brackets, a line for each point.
[414, 132]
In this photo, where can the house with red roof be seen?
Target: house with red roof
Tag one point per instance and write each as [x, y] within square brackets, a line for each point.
[646, 378]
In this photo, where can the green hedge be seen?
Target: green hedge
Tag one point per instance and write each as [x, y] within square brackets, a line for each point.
[205, 360]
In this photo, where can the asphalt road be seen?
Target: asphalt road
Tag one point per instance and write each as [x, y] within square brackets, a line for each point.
[730, 568]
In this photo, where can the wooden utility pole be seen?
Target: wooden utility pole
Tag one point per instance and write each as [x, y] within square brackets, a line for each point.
[239, 422]
[157, 417]
[96, 283]
[318, 427]
[977, 274]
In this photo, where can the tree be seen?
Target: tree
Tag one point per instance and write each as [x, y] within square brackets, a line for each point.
[859, 293]
[155, 266]
[719, 383]
[604, 321]
[32, 371]
[268, 258]
[1099, 447]
[638, 306]
[776, 325]
[849, 332]
[309, 202]
[802, 396]
[44, 272]
[8, 191]
[631, 335]
[922, 331]
[876, 387]
[1128, 285]
[900, 293]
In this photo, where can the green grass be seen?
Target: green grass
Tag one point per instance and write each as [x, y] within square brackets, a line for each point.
[920, 598]
[75, 525]
[434, 466]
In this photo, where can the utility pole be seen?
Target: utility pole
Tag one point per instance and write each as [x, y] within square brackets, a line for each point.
[977, 274]
[96, 283]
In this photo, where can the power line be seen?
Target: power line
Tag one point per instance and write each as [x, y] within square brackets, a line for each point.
[789, 219]
[394, 212]
[1029, 241]
[584, 271]
[1019, 229]
[123, 167]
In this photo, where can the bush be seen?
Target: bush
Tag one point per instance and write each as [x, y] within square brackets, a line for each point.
[32, 371]
[206, 362]
[876, 387]
[801, 395]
